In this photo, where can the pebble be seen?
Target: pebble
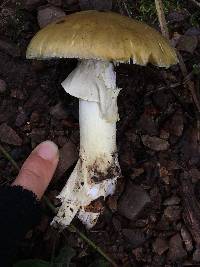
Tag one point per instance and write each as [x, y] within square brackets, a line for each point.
[160, 246]
[135, 237]
[48, 14]
[174, 200]
[196, 255]
[21, 118]
[9, 136]
[68, 156]
[3, 86]
[186, 236]
[133, 201]
[95, 4]
[173, 213]
[59, 112]
[187, 43]
[155, 143]
[176, 250]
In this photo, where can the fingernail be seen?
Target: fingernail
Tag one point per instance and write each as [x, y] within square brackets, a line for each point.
[47, 150]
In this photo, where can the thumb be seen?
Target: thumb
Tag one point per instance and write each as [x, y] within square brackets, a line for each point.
[37, 171]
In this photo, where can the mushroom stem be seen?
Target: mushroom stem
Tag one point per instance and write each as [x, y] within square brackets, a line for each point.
[97, 169]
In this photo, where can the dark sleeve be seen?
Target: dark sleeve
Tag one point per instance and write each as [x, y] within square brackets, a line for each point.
[19, 212]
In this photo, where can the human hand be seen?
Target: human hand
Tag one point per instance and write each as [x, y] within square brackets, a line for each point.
[37, 171]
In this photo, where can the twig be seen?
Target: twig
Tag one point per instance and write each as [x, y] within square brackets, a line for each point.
[190, 84]
[54, 210]
[7, 156]
[195, 2]
[161, 18]
[93, 245]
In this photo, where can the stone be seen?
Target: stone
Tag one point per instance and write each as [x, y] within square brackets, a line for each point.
[178, 16]
[147, 122]
[48, 14]
[187, 43]
[173, 213]
[196, 255]
[9, 136]
[37, 135]
[3, 86]
[59, 112]
[174, 200]
[193, 31]
[95, 4]
[194, 174]
[71, 2]
[135, 237]
[176, 124]
[160, 246]
[68, 156]
[21, 118]
[187, 239]
[176, 250]
[133, 201]
[55, 2]
[155, 143]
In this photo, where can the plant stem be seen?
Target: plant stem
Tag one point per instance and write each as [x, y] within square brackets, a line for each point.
[93, 245]
[161, 18]
[7, 156]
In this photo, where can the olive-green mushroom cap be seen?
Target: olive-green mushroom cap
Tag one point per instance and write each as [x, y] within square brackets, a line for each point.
[103, 36]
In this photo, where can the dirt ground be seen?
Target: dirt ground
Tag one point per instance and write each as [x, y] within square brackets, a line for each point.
[154, 217]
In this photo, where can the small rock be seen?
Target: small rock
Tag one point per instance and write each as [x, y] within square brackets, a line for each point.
[175, 126]
[71, 2]
[112, 203]
[196, 255]
[37, 135]
[193, 31]
[2, 86]
[174, 200]
[176, 250]
[68, 156]
[59, 112]
[9, 48]
[9, 136]
[17, 93]
[186, 236]
[178, 16]
[187, 43]
[21, 118]
[160, 246]
[135, 237]
[195, 175]
[155, 143]
[95, 4]
[147, 122]
[55, 2]
[117, 224]
[137, 173]
[133, 202]
[172, 213]
[48, 14]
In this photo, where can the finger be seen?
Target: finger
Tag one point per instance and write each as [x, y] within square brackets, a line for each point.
[37, 171]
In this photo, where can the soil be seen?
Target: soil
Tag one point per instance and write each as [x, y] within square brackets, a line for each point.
[154, 217]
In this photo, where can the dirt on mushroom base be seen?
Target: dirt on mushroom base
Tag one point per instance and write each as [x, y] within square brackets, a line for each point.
[160, 235]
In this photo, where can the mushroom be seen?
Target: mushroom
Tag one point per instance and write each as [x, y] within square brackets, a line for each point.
[97, 39]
